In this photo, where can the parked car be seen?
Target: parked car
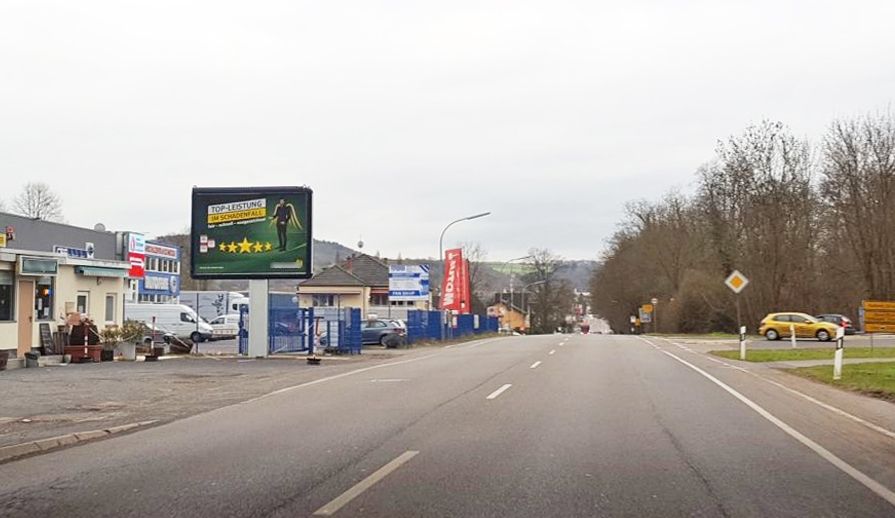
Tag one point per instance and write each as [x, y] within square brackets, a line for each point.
[839, 320]
[380, 332]
[777, 325]
[225, 327]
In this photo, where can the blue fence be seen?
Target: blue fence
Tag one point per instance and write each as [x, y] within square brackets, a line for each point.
[295, 330]
[435, 325]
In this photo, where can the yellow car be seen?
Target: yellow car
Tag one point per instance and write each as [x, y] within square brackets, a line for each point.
[776, 325]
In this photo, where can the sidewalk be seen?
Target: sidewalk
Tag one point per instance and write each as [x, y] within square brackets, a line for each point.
[58, 400]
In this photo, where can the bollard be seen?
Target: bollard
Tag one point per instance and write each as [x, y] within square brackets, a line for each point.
[837, 358]
[792, 334]
[743, 343]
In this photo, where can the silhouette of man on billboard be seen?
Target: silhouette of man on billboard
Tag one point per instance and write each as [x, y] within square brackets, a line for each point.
[284, 213]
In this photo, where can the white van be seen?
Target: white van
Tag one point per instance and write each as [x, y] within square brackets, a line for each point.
[177, 319]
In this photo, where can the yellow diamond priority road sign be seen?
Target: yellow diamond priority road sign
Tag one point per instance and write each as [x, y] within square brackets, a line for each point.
[736, 281]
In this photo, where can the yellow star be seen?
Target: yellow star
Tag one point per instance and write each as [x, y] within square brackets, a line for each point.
[245, 247]
[223, 248]
[259, 247]
[268, 247]
[232, 247]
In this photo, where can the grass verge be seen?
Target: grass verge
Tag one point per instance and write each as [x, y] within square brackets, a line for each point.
[871, 379]
[826, 353]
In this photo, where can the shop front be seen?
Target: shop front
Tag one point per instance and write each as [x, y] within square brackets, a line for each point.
[45, 275]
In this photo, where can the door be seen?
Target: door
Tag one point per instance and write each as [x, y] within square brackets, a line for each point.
[803, 327]
[83, 303]
[25, 316]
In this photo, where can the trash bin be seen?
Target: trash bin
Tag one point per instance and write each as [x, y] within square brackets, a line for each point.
[32, 359]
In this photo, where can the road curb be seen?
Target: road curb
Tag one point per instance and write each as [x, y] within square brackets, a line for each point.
[16, 451]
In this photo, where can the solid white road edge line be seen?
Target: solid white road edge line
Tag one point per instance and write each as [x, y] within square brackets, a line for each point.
[365, 484]
[499, 391]
[535, 365]
[871, 484]
[826, 406]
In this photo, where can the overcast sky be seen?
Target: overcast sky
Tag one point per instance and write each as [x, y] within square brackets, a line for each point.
[405, 115]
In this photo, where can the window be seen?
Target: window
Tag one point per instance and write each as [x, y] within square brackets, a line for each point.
[186, 317]
[323, 300]
[6, 296]
[379, 299]
[110, 307]
[783, 318]
[82, 305]
[43, 298]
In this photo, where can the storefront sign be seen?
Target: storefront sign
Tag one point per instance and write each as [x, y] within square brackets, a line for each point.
[161, 250]
[38, 266]
[136, 255]
[160, 284]
[79, 253]
[251, 233]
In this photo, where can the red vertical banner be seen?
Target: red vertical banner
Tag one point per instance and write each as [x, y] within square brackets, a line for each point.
[465, 296]
[451, 284]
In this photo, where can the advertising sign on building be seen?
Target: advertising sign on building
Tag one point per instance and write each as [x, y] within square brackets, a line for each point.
[408, 282]
[251, 233]
[455, 285]
[167, 284]
[136, 255]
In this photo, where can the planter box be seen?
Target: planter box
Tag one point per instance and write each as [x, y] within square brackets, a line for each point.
[94, 352]
[128, 351]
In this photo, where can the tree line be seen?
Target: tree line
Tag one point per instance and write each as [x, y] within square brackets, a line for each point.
[812, 225]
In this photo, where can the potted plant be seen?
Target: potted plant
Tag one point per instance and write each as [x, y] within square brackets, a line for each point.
[131, 333]
[110, 336]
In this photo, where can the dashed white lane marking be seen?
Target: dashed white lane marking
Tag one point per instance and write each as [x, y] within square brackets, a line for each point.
[365, 484]
[357, 371]
[871, 484]
[535, 365]
[499, 391]
[552, 351]
[826, 406]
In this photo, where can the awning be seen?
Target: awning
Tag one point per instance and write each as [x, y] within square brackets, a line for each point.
[98, 271]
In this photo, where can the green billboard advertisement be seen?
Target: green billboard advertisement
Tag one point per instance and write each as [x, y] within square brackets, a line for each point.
[251, 233]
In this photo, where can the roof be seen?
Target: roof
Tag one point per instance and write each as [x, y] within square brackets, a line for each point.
[371, 271]
[334, 276]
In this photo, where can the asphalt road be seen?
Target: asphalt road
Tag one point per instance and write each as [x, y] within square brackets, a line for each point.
[517, 426]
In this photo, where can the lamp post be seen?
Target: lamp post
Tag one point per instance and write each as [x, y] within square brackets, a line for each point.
[511, 273]
[441, 239]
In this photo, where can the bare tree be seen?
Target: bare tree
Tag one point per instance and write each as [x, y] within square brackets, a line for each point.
[38, 201]
[551, 298]
[859, 186]
[478, 285]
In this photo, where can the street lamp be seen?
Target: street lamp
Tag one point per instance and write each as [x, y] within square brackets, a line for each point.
[511, 273]
[441, 239]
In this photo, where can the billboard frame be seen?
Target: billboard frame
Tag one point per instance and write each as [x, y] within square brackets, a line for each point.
[197, 192]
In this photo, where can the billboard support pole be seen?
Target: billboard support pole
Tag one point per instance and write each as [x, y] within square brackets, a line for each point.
[258, 318]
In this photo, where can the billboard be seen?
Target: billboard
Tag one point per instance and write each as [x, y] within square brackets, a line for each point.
[408, 282]
[251, 233]
[455, 285]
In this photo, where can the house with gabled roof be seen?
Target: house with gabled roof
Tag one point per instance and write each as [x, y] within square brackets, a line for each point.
[361, 281]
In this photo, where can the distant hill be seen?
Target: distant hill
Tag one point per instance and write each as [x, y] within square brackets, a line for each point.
[495, 276]
[326, 253]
